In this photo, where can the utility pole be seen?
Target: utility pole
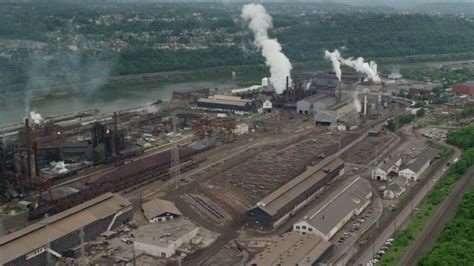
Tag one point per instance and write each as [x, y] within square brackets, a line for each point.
[83, 250]
[175, 173]
[48, 245]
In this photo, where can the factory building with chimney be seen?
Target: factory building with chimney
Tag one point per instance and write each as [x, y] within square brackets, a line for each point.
[54, 237]
[274, 209]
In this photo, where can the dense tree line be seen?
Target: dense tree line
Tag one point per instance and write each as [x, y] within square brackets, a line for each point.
[455, 245]
[456, 242]
[304, 36]
[463, 137]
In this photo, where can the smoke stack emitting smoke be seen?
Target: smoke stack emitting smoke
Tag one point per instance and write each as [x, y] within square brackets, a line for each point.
[358, 64]
[336, 59]
[357, 103]
[36, 117]
[259, 22]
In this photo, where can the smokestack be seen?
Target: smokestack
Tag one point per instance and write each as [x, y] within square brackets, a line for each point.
[29, 150]
[259, 22]
[339, 95]
[114, 136]
[365, 104]
[287, 82]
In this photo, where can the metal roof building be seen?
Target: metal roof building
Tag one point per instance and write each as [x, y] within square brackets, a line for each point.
[332, 114]
[226, 103]
[414, 170]
[310, 104]
[279, 205]
[29, 246]
[160, 210]
[293, 249]
[329, 216]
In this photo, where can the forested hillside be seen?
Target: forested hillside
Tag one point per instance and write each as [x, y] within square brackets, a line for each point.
[42, 40]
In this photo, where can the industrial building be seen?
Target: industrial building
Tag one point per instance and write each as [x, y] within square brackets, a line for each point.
[328, 217]
[391, 166]
[164, 239]
[294, 249]
[52, 237]
[396, 188]
[342, 111]
[309, 105]
[279, 205]
[414, 170]
[267, 106]
[159, 210]
[190, 95]
[466, 88]
[225, 103]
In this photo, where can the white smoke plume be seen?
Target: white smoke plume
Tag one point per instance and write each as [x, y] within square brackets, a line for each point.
[36, 117]
[59, 167]
[356, 101]
[358, 64]
[336, 59]
[280, 66]
[363, 67]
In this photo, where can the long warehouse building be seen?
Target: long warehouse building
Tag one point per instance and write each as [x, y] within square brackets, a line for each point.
[29, 246]
[279, 205]
[328, 217]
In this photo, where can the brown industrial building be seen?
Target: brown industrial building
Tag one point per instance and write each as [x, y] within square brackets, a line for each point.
[191, 95]
[224, 103]
[466, 88]
[52, 237]
[279, 205]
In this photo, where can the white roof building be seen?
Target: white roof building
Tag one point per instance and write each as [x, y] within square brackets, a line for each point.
[293, 248]
[162, 240]
[415, 169]
[390, 166]
[328, 217]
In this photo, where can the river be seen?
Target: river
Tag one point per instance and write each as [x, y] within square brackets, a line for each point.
[12, 109]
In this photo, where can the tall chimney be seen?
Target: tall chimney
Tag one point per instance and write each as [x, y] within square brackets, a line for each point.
[365, 104]
[114, 136]
[29, 152]
[339, 96]
[287, 83]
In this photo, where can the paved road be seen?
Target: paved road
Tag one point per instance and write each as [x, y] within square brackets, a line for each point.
[403, 216]
[432, 229]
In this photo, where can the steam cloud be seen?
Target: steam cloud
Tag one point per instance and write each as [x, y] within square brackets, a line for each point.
[356, 101]
[72, 71]
[358, 64]
[336, 59]
[36, 117]
[363, 67]
[59, 167]
[259, 22]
